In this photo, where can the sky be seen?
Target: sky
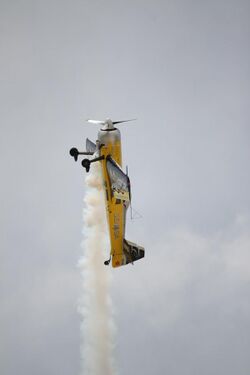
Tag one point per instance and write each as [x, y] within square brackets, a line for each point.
[182, 69]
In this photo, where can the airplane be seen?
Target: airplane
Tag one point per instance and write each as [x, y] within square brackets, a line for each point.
[116, 183]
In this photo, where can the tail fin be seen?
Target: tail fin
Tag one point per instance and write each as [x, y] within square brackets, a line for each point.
[132, 252]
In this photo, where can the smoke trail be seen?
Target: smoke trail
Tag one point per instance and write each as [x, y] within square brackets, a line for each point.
[95, 307]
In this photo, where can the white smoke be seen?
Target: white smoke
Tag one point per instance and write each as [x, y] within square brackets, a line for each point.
[97, 328]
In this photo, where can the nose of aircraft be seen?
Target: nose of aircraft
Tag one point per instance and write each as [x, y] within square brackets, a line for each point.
[108, 125]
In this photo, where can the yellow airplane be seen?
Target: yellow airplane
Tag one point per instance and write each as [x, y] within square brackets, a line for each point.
[107, 151]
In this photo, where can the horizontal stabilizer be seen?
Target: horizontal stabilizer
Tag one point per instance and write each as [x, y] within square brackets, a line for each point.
[132, 252]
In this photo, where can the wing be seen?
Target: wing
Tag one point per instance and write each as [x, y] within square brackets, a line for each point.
[90, 146]
[119, 181]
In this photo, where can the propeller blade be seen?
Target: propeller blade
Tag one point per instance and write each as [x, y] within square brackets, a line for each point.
[119, 122]
[97, 122]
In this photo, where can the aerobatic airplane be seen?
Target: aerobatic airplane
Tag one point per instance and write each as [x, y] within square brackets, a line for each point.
[107, 151]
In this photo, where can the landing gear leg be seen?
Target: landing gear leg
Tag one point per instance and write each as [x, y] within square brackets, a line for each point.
[86, 162]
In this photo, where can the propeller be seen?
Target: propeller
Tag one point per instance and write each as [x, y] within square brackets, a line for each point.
[108, 124]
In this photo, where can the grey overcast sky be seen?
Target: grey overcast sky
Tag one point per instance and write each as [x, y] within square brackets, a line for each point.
[181, 68]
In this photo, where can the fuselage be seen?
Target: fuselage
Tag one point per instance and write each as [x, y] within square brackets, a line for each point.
[110, 145]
